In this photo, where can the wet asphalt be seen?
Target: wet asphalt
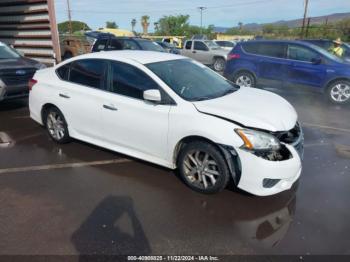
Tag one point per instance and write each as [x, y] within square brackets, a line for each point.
[80, 199]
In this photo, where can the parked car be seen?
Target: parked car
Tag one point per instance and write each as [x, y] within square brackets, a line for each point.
[174, 112]
[125, 43]
[327, 45]
[73, 45]
[15, 72]
[207, 52]
[227, 45]
[95, 41]
[170, 48]
[293, 64]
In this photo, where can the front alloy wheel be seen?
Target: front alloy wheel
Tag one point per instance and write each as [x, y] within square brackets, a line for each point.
[339, 92]
[203, 167]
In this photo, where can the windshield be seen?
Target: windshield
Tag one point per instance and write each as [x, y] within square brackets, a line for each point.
[212, 44]
[150, 46]
[192, 81]
[7, 53]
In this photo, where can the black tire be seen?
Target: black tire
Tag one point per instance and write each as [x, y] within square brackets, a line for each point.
[196, 181]
[337, 97]
[67, 55]
[244, 76]
[219, 64]
[63, 136]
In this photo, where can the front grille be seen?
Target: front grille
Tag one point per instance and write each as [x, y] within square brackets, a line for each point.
[293, 137]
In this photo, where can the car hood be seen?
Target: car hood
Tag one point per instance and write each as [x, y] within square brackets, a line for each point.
[252, 107]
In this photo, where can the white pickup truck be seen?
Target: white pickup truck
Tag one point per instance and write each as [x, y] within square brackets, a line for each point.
[207, 52]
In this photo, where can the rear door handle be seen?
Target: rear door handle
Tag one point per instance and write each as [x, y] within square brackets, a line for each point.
[194, 52]
[64, 96]
[110, 107]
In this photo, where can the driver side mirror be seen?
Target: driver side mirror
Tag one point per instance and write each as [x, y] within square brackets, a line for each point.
[316, 61]
[152, 95]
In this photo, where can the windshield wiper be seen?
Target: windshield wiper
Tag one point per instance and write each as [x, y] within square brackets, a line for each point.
[201, 98]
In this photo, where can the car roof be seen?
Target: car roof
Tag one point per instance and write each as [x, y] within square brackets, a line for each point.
[279, 41]
[139, 56]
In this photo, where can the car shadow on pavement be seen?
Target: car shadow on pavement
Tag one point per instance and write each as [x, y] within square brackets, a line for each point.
[13, 104]
[111, 229]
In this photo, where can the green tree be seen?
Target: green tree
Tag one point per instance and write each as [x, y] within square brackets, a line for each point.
[343, 27]
[173, 25]
[111, 24]
[76, 26]
[268, 29]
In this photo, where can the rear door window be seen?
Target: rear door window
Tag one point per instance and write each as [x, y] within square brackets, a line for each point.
[88, 72]
[300, 53]
[252, 48]
[272, 49]
[277, 50]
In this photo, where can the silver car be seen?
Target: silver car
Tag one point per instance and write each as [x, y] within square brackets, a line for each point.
[207, 52]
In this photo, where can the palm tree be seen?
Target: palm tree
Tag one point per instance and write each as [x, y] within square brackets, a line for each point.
[145, 24]
[133, 24]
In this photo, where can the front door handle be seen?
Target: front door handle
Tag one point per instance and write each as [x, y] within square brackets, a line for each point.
[110, 107]
[64, 96]
[194, 52]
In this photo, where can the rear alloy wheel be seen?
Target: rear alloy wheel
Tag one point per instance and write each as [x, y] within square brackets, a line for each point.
[244, 79]
[203, 168]
[56, 126]
[339, 92]
[219, 64]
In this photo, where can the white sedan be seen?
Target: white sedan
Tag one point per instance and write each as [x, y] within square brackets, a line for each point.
[174, 112]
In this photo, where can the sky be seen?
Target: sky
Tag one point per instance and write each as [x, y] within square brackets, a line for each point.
[225, 13]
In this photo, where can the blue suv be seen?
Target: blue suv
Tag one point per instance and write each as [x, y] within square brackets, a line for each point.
[289, 63]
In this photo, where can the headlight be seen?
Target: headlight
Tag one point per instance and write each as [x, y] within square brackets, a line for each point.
[256, 140]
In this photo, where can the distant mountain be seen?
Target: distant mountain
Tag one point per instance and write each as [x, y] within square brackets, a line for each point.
[293, 23]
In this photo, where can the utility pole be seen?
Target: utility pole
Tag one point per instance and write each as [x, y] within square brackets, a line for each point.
[69, 18]
[201, 9]
[306, 5]
[307, 27]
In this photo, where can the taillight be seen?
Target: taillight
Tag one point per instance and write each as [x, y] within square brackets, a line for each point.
[233, 56]
[31, 83]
